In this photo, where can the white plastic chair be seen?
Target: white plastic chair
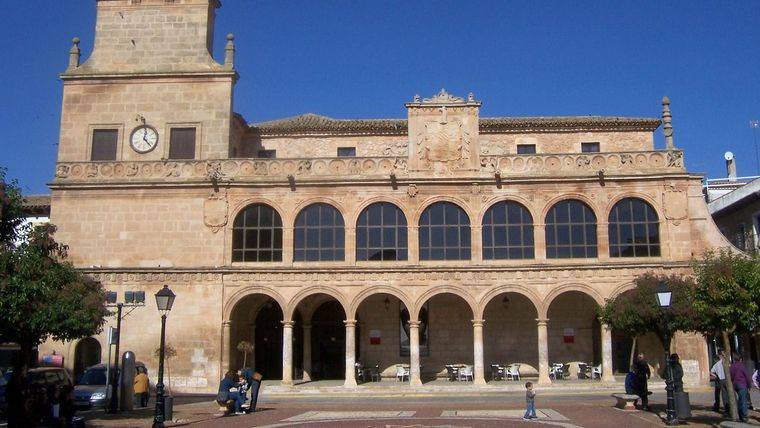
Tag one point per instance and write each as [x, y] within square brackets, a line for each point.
[401, 373]
[465, 373]
[513, 372]
[596, 372]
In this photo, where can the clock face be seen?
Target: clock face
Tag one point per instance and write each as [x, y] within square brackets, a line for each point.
[144, 139]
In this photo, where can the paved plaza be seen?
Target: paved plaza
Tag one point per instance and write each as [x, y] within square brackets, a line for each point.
[555, 409]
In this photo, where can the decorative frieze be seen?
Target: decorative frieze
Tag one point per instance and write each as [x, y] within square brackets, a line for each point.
[252, 170]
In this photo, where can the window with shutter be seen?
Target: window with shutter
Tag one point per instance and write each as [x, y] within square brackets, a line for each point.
[104, 144]
[182, 143]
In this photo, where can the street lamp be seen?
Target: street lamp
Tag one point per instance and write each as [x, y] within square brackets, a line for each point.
[164, 301]
[663, 299]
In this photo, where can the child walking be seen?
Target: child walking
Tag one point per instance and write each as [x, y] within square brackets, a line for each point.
[530, 402]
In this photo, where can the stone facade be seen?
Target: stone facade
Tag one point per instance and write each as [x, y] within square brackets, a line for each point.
[141, 220]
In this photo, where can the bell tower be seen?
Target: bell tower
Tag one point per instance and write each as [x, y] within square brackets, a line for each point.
[151, 88]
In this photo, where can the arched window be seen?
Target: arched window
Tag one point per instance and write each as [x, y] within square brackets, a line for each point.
[634, 229]
[507, 232]
[319, 234]
[381, 233]
[257, 235]
[444, 233]
[570, 231]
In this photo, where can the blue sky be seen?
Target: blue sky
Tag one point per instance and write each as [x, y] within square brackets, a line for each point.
[352, 59]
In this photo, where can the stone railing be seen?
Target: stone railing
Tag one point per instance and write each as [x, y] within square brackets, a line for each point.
[579, 164]
[532, 165]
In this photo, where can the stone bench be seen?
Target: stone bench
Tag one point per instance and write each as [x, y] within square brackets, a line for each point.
[626, 401]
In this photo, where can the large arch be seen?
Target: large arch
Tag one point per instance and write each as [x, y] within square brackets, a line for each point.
[255, 322]
[310, 291]
[249, 290]
[383, 339]
[441, 289]
[323, 329]
[510, 332]
[87, 352]
[579, 287]
[574, 334]
[489, 295]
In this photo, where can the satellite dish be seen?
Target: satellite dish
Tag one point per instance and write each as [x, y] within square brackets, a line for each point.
[729, 156]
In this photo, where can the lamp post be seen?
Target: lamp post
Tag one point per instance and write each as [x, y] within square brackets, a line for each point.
[164, 301]
[663, 299]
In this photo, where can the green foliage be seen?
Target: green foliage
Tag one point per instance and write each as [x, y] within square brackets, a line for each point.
[11, 211]
[727, 295]
[637, 311]
[41, 295]
[44, 296]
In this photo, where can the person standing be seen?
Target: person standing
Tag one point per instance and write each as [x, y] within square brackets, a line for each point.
[642, 376]
[141, 386]
[741, 380]
[530, 402]
[677, 369]
[718, 375]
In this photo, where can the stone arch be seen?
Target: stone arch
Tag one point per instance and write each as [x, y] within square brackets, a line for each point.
[247, 291]
[317, 200]
[380, 289]
[582, 288]
[510, 198]
[242, 204]
[489, 295]
[635, 195]
[378, 199]
[312, 290]
[461, 203]
[564, 197]
[620, 289]
[443, 289]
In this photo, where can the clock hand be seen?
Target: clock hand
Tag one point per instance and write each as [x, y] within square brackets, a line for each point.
[145, 135]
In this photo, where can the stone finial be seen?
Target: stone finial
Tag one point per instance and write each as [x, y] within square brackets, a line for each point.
[229, 52]
[74, 53]
[470, 97]
[667, 123]
[417, 98]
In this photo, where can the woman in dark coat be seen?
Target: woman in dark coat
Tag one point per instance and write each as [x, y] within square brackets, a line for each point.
[677, 369]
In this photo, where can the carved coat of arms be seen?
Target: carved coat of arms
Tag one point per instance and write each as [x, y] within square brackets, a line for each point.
[444, 141]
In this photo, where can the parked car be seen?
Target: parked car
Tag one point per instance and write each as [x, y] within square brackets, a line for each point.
[91, 390]
[42, 382]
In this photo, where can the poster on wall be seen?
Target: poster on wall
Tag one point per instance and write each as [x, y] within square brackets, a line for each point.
[404, 330]
[568, 335]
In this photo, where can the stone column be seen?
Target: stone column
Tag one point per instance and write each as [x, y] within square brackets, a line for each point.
[287, 353]
[350, 245]
[413, 241]
[543, 353]
[477, 335]
[287, 245]
[306, 352]
[476, 238]
[226, 327]
[414, 353]
[350, 354]
[606, 331]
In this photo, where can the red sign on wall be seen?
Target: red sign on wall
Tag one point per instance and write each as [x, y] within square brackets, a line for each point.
[374, 337]
[568, 336]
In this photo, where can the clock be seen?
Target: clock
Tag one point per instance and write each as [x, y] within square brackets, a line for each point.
[144, 139]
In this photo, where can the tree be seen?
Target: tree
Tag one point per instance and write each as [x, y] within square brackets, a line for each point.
[42, 296]
[726, 300]
[246, 348]
[637, 312]
[169, 353]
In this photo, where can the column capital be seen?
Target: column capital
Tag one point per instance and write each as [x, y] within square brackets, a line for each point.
[288, 324]
[349, 323]
[414, 324]
[542, 321]
[478, 323]
[306, 326]
[226, 323]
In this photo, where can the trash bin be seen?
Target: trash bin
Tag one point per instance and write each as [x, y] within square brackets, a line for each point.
[683, 407]
[168, 407]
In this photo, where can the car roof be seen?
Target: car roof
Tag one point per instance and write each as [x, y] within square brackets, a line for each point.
[102, 366]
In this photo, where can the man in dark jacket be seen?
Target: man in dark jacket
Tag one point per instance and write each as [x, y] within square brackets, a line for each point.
[642, 376]
[742, 383]
[677, 370]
